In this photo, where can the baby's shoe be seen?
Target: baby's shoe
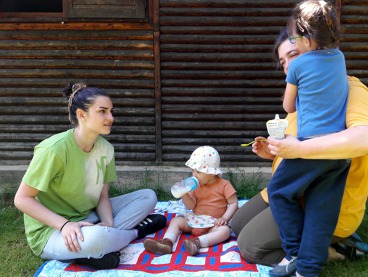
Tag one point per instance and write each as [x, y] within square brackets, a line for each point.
[161, 246]
[192, 246]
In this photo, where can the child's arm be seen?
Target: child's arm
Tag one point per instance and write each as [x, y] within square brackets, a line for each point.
[290, 94]
[230, 211]
[189, 201]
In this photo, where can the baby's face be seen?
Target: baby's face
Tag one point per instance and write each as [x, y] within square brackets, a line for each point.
[203, 178]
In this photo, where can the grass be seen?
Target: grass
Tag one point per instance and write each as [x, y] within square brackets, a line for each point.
[20, 261]
[246, 185]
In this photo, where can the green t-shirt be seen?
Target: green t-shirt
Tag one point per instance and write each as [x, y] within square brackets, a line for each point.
[69, 180]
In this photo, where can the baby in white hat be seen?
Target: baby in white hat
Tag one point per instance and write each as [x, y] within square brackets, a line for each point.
[213, 203]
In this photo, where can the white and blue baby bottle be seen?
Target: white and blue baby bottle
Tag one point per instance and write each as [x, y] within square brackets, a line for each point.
[184, 186]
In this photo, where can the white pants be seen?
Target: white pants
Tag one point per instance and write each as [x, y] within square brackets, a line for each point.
[128, 210]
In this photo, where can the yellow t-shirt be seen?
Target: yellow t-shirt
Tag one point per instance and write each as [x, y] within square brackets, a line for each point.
[356, 189]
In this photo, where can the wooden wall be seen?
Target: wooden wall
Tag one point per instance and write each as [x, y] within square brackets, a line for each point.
[354, 43]
[219, 82]
[38, 60]
[195, 73]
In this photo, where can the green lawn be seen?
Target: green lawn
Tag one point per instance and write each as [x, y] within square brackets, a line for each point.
[18, 260]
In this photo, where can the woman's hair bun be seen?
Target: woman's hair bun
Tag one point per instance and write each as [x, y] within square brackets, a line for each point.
[67, 91]
[73, 88]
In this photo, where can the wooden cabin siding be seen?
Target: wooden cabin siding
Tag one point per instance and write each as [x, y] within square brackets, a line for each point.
[196, 72]
[354, 43]
[219, 83]
[38, 60]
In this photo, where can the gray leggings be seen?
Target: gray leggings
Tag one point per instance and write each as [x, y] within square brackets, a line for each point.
[259, 240]
[128, 210]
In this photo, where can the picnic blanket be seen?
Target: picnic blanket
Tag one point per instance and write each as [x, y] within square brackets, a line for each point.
[215, 261]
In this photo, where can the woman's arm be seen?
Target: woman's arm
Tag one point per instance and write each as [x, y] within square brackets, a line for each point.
[290, 94]
[26, 202]
[349, 143]
[104, 209]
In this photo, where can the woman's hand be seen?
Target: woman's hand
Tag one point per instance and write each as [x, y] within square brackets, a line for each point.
[72, 232]
[260, 147]
[288, 148]
[25, 201]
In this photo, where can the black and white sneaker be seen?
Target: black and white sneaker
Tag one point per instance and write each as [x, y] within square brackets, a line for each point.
[108, 261]
[151, 224]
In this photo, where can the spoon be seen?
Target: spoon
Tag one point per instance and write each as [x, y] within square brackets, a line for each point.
[254, 141]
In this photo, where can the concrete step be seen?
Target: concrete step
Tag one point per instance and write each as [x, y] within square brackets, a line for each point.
[134, 176]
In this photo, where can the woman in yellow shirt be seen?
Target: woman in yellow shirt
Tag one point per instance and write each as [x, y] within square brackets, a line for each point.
[258, 236]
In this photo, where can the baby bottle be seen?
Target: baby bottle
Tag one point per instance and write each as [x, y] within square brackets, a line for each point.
[184, 186]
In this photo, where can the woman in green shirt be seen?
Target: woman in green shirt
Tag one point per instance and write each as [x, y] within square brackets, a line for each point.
[68, 214]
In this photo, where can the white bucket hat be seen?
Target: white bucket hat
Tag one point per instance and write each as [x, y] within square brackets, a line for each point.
[205, 159]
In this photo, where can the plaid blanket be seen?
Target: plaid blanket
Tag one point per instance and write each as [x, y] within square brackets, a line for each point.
[219, 260]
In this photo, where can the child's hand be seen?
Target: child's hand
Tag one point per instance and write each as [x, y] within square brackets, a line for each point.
[220, 222]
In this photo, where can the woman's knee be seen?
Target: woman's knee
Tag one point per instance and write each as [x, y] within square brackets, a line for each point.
[150, 195]
[95, 240]
[251, 209]
[260, 249]
[247, 249]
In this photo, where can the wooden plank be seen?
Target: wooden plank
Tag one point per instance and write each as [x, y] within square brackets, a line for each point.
[72, 35]
[158, 96]
[217, 57]
[78, 55]
[77, 73]
[61, 83]
[73, 26]
[222, 29]
[105, 64]
[227, 10]
[214, 21]
[104, 9]
[228, 3]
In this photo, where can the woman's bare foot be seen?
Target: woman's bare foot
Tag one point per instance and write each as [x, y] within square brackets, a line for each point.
[333, 255]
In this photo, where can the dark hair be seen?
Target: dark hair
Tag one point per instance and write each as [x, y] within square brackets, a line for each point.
[318, 20]
[283, 35]
[81, 97]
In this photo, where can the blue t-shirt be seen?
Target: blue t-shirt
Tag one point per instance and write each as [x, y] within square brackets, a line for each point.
[321, 102]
